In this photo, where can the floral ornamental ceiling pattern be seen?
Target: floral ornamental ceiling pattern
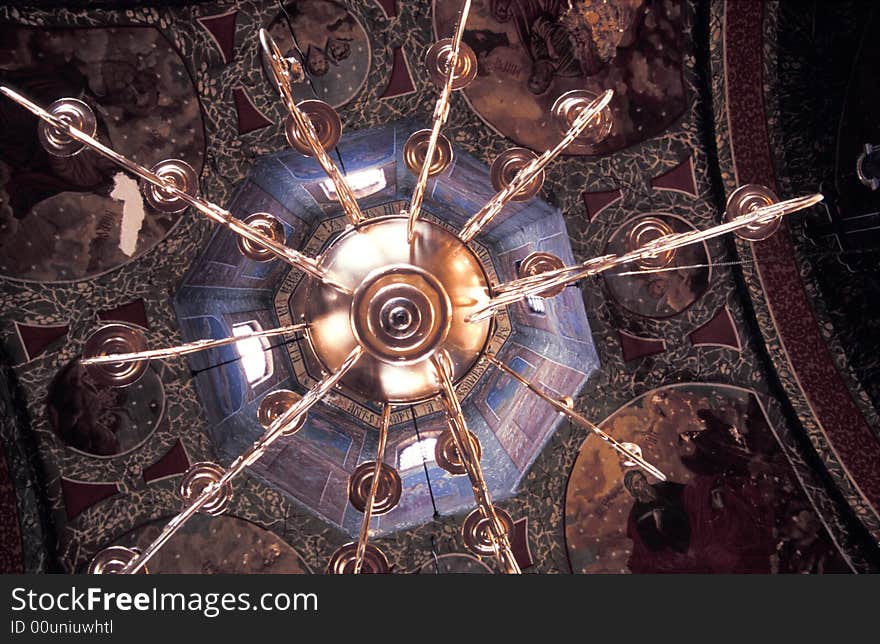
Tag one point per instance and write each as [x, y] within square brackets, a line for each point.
[737, 457]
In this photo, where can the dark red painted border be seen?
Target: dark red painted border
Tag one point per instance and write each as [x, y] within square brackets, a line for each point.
[822, 385]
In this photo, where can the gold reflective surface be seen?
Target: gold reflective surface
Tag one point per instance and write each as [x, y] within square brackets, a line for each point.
[746, 199]
[644, 231]
[389, 488]
[540, 262]
[342, 562]
[269, 226]
[324, 119]
[569, 105]
[507, 165]
[437, 63]
[113, 339]
[415, 151]
[408, 303]
[73, 112]
[446, 453]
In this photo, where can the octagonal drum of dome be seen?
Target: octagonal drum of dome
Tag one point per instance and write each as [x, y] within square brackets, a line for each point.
[225, 293]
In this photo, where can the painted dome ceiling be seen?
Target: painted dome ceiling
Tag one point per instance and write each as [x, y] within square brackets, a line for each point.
[744, 370]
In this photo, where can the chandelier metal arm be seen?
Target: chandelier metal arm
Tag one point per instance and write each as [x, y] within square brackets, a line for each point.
[250, 456]
[528, 172]
[517, 289]
[189, 347]
[441, 112]
[458, 427]
[374, 488]
[211, 210]
[284, 74]
[578, 419]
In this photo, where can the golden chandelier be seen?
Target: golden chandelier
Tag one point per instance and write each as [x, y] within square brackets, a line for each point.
[399, 309]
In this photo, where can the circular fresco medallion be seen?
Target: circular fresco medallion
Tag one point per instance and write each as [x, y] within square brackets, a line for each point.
[102, 420]
[530, 52]
[732, 502]
[335, 50]
[74, 217]
[658, 291]
[213, 545]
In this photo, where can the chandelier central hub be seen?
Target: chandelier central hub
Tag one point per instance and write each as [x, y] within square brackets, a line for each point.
[408, 302]
[401, 314]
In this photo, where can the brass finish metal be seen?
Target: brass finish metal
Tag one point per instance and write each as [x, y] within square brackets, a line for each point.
[74, 112]
[567, 107]
[392, 490]
[274, 405]
[499, 534]
[108, 359]
[644, 231]
[437, 63]
[388, 491]
[635, 449]
[250, 456]
[409, 303]
[415, 151]
[343, 561]
[181, 175]
[102, 360]
[197, 479]
[206, 208]
[325, 120]
[540, 262]
[746, 199]
[477, 534]
[441, 113]
[446, 453]
[285, 71]
[113, 560]
[566, 406]
[513, 291]
[268, 226]
[505, 167]
[401, 314]
[531, 169]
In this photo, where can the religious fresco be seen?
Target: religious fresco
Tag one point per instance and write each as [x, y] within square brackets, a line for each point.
[101, 420]
[68, 218]
[219, 545]
[530, 52]
[659, 292]
[732, 502]
[331, 44]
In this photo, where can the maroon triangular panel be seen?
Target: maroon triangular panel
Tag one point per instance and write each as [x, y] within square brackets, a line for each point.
[400, 82]
[596, 202]
[249, 117]
[81, 495]
[680, 178]
[635, 347]
[222, 30]
[519, 544]
[389, 7]
[174, 462]
[131, 313]
[720, 330]
[35, 339]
